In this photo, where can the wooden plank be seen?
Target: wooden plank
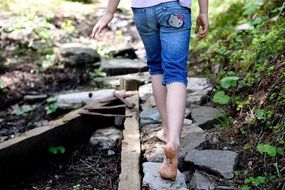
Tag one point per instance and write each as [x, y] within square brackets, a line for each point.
[29, 151]
[131, 149]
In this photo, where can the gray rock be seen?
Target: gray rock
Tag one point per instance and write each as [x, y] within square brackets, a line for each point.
[205, 116]
[123, 51]
[198, 84]
[156, 154]
[187, 122]
[150, 113]
[198, 97]
[75, 54]
[107, 138]
[148, 103]
[116, 81]
[145, 122]
[225, 188]
[198, 90]
[151, 116]
[200, 182]
[134, 81]
[145, 91]
[123, 66]
[218, 161]
[243, 27]
[153, 181]
[111, 81]
[192, 137]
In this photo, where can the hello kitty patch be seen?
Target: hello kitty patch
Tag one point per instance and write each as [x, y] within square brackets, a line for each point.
[176, 21]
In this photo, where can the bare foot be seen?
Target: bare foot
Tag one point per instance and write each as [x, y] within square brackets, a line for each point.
[168, 168]
[161, 136]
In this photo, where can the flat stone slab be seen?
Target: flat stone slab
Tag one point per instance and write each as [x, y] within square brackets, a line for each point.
[198, 90]
[76, 54]
[153, 181]
[200, 182]
[107, 138]
[116, 81]
[205, 116]
[150, 115]
[192, 137]
[197, 84]
[145, 91]
[122, 66]
[218, 161]
[123, 50]
[197, 97]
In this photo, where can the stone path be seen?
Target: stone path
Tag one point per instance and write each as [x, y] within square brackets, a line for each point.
[196, 160]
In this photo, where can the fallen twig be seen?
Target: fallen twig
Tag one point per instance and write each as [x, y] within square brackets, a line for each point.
[91, 167]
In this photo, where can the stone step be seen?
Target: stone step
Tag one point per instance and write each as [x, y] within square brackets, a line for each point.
[153, 181]
[205, 116]
[192, 137]
[217, 161]
[122, 66]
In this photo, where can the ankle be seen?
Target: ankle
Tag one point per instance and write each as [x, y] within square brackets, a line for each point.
[175, 144]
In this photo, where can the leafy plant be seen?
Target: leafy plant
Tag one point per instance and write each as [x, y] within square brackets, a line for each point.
[52, 106]
[68, 27]
[228, 82]
[221, 98]
[260, 114]
[256, 181]
[272, 151]
[76, 187]
[24, 109]
[97, 73]
[2, 85]
[56, 150]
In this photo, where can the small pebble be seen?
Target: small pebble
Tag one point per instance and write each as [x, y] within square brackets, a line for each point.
[111, 153]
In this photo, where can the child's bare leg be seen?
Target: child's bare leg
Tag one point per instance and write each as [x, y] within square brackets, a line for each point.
[176, 102]
[159, 92]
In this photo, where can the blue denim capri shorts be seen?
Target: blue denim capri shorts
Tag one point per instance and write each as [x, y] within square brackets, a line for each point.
[165, 32]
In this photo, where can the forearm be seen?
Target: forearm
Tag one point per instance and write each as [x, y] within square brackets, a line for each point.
[203, 4]
[112, 6]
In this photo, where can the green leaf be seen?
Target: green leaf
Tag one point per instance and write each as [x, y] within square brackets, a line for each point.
[261, 114]
[61, 149]
[228, 82]
[2, 84]
[52, 99]
[52, 150]
[245, 187]
[24, 109]
[268, 149]
[51, 108]
[221, 98]
[256, 181]
[55, 150]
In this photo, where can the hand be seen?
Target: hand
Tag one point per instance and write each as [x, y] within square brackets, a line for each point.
[102, 22]
[202, 21]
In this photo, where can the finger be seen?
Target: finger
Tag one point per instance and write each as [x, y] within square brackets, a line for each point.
[197, 27]
[94, 31]
[201, 36]
[203, 33]
[205, 29]
[98, 31]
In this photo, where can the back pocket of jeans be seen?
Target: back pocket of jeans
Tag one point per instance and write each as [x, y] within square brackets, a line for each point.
[140, 20]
